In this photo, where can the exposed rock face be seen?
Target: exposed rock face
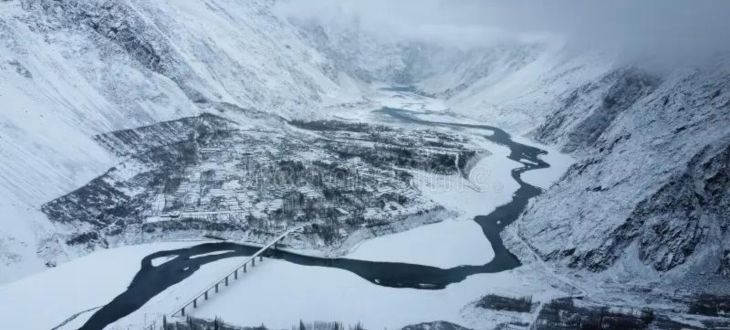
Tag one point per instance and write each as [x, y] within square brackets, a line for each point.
[578, 126]
[652, 174]
[116, 21]
[693, 207]
[672, 222]
[119, 23]
[724, 268]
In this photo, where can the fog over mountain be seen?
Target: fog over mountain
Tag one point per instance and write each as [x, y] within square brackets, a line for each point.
[376, 164]
[657, 32]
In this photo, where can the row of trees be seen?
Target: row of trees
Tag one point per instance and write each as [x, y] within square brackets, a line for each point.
[218, 324]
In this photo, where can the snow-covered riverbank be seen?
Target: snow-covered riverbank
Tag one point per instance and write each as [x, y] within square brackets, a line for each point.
[452, 242]
[446, 244]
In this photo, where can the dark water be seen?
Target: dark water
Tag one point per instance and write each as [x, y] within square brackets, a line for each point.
[404, 89]
[151, 280]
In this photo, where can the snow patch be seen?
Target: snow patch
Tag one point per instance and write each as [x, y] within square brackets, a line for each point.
[446, 244]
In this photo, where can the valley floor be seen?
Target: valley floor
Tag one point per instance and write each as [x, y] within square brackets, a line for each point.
[278, 292]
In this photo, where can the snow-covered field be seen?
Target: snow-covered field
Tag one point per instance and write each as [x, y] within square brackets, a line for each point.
[278, 294]
[446, 244]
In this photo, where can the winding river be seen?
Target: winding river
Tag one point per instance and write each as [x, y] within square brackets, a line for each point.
[152, 280]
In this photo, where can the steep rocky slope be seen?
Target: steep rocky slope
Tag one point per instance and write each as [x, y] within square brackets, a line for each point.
[651, 182]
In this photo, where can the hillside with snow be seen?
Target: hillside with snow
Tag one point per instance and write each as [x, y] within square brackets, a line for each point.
[127, 124]
[75, 69]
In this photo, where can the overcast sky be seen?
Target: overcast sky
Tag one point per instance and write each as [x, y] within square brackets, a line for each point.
[677, 29]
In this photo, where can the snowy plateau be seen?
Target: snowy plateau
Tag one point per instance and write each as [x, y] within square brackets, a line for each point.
[147, 148]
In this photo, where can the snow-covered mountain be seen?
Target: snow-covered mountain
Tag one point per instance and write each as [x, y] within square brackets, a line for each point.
[81, 80]
[653, 178]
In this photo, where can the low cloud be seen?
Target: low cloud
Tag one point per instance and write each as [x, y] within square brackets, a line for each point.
[658, 30]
